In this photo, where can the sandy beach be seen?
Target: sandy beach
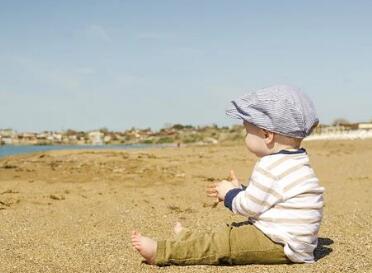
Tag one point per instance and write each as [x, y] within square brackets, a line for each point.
[73, 211]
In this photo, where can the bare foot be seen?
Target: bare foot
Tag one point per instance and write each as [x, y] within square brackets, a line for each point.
[145, 246]
[178, 228]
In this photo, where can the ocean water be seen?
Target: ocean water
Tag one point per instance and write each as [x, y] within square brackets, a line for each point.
[6, 150]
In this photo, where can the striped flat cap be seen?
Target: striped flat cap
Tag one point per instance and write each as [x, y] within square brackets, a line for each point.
[281, 109]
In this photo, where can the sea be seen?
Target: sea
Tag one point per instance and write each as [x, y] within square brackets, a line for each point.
[6, 150]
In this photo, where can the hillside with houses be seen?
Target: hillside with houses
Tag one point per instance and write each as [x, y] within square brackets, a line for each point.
[177, 134]
[174, 134]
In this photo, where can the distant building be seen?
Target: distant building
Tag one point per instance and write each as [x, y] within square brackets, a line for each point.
[72, 139]
[365, 125]
[57, 137]
[42, 136]
[27, 138]
[96, 137]
[6, 140]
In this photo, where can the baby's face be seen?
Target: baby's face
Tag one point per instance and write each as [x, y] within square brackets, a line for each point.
[254, 140]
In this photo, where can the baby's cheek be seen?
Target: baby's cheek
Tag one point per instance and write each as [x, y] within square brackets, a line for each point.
[248, 142]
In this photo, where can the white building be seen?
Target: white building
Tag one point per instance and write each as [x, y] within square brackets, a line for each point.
[365, 125]
[96, 137]
[7, 136]
[6, 140]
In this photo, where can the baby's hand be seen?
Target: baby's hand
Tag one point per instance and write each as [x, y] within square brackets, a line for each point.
[223, 188]
[220, 189]
[234, 180]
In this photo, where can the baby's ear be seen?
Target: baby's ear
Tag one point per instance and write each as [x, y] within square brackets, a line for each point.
[268, 136]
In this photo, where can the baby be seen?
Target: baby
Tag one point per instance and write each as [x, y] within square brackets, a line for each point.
[283, 201]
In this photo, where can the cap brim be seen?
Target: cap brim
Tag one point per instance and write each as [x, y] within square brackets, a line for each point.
[236, 112]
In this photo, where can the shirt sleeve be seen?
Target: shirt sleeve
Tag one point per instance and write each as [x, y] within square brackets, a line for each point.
[261, 194]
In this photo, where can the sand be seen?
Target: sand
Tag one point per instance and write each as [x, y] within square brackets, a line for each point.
[73, 211]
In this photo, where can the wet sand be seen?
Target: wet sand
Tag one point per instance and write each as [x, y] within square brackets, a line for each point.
[73, 211]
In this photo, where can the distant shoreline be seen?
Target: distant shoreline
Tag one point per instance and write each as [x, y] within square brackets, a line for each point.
[17, 149]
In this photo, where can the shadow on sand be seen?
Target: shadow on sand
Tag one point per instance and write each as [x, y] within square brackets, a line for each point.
[323, 249]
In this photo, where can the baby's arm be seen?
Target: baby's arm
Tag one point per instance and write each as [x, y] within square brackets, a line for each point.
[258, 196]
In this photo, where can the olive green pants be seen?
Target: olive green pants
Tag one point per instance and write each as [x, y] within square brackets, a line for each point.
[238, 244]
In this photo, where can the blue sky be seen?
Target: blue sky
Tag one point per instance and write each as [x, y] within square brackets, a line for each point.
[117, 64]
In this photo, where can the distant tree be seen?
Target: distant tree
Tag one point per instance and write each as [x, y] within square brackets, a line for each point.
[82, 135]
[340, 121]
[70, 132]
[114, 137]
[104, 130]
[178, 126]
[148, 129]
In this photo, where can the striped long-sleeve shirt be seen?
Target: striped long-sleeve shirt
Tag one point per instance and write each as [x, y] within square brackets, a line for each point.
[284, 200]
